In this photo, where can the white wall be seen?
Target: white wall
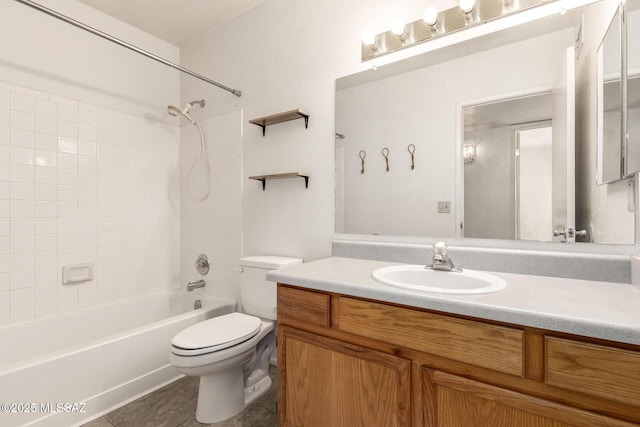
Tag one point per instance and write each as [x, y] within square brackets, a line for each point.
[40, 50]
[86, 168]
[489, 192]
[287, 54]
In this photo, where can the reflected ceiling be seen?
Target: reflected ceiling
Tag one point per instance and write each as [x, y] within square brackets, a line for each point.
[525, 109]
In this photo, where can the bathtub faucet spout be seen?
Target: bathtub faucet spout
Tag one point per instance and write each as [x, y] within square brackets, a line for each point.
[194, 285]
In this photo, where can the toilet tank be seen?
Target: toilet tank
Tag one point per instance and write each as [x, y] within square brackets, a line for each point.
[257, 293]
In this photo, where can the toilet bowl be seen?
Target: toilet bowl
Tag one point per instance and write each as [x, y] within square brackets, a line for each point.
[231, 353]
[209, 350]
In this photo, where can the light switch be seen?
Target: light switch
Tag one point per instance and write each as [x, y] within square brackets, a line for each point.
[444, 207]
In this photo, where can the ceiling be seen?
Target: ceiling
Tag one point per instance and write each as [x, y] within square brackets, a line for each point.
[176, 21]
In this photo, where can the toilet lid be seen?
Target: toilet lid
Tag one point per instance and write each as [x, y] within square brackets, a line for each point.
[216, 334]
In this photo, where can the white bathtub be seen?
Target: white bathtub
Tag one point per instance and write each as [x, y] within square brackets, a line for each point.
[68, 370]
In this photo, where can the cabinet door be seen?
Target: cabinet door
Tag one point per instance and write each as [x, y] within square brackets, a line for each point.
[452, 401]
[325, 382]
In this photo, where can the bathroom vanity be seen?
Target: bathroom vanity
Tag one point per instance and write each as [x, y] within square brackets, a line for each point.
[544, 351]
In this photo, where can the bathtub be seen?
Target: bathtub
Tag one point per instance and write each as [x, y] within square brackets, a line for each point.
[69, 370]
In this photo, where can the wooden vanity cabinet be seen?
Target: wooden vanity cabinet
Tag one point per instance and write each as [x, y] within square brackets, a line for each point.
[451, 400]
[329, 382]
[347, 361]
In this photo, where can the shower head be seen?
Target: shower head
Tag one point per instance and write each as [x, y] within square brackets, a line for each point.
[176, 112]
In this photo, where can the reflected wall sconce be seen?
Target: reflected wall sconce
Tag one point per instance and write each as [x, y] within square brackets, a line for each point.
[434, 23]
[469, 153]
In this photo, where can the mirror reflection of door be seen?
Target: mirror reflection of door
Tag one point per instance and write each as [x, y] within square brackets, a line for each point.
[564, 151]
[533, 178]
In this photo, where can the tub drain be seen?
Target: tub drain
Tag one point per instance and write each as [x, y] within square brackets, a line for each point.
[197, 305]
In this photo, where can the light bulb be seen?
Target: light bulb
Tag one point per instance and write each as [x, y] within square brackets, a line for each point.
[510, 5]
[369, 38]
[467, 5]
[397, 27]
[430, 15]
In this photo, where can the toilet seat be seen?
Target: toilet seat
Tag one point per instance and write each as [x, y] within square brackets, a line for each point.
[216, 334]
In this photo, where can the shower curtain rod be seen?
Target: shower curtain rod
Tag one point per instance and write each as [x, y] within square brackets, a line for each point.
[122, 43]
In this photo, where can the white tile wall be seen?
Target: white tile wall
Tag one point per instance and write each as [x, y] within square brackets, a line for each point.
[214, 226]
[81, 183]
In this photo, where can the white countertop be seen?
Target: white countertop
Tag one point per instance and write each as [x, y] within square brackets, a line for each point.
[603, 310]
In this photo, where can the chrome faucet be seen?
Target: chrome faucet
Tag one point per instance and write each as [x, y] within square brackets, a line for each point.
[195, 285]
[441, 260]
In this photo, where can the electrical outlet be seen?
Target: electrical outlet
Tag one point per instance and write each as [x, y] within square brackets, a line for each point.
[444, 207]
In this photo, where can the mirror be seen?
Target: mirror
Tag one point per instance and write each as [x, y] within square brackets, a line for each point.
[435, 102]
[633, 83]
[610, 111]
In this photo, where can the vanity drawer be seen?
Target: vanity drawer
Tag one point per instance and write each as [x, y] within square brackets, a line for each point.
[305, 306]
[489, 346]
[597, 370]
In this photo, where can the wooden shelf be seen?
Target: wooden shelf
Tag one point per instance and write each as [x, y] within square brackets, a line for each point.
[265, 178]
[286, 116]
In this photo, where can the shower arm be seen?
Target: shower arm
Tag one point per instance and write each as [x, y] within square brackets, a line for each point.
[122, 43]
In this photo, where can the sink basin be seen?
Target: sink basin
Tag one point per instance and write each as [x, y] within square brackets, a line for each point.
[419, 279]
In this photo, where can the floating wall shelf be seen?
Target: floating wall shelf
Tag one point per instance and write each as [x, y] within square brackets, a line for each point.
[265, 178]
[273, 119]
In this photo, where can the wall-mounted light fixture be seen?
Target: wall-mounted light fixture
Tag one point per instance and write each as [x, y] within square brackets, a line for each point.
[469, 153]
[436, 23]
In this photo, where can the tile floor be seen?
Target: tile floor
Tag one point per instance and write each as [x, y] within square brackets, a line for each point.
[174, 405]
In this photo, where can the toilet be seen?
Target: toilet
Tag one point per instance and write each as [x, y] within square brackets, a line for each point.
[231, 353]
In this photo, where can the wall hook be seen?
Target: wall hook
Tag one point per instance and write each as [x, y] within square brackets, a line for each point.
[363, 154]
[385, 153]
[412, 149]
